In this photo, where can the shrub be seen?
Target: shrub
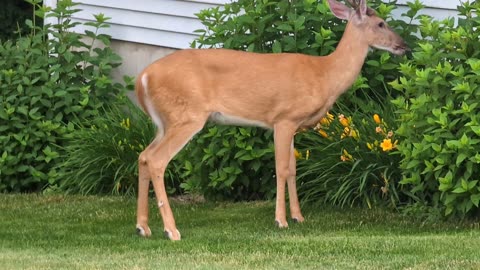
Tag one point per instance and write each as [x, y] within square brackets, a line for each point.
[45, 88]
[350, 160]
[230, 163]
[439, 112]
[102, 156]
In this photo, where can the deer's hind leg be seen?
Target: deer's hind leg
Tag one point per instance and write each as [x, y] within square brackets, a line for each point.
[156, 159]
[143, 188]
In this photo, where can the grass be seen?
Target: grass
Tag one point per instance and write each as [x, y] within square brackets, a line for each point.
[76, 232]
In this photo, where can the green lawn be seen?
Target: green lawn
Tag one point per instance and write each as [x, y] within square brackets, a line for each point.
[74, 232]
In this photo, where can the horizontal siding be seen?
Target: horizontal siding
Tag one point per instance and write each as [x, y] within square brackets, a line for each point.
[142, 19]
[181, 8]
[167, 23]
[438, 9]
[171, 23]
[438, 4]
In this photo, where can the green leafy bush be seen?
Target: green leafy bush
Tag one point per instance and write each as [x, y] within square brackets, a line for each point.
[102, 156]
[274, 26]
[45, 87]
[230, 163]
[439, 112]
[350, 159]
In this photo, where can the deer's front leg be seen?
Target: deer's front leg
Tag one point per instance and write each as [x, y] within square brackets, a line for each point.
[295, 211]
[176, 136]
[283, 136]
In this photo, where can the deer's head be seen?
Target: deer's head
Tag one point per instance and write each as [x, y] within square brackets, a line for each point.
[375, 30]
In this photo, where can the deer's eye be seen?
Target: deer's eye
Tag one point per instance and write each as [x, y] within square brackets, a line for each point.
[381, 24]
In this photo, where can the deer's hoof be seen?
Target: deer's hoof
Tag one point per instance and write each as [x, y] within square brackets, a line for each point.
[172, 236]
[144, 231]
[281, 224]
[298, 219]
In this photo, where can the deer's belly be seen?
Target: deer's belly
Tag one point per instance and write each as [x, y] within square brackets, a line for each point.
[226, 119]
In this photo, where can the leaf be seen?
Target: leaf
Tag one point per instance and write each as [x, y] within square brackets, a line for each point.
[33, 112]
[230, 180]
[450, 198]
[472, 184]
[256, 165]
[436, 147]
[69, 56]
[299, 23]
[464, 141]
[22, 110]
[459, 190]
[447, 179]
[464, 184]
[240, 153]
[460, 158]
[412, 164]
[90, 34]
[228, 170]
[3, 114]
[285, 27]
[475, 199]
[444, 187]
[373, 63]
[448, 210]
[61, 93]
[277, 47]
[453, 144]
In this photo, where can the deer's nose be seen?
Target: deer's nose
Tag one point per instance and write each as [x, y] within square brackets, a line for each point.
[401, 48]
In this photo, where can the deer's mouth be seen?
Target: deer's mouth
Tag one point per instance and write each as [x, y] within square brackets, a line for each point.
[400, 49]
[397, 49]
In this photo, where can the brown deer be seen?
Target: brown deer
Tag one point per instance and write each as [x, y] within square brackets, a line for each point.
[283, 92]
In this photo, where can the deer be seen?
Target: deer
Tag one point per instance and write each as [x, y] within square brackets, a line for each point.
[284, 92]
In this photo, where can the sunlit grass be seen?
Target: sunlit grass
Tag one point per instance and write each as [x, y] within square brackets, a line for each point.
[74, 232]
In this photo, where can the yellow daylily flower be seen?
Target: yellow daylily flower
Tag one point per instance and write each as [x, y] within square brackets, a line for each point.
[346, 156]
[386, 145]
[330, 116]
[370, 146]
[354, 133]
[323, 133]
[297, 154]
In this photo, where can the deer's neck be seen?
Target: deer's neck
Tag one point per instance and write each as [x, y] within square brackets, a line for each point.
[345, 63]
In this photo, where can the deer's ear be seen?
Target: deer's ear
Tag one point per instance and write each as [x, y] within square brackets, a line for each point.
[340, 10]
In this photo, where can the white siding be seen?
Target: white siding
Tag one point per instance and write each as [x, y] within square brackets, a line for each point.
[171, 23]
[440, 9]
[166, 23]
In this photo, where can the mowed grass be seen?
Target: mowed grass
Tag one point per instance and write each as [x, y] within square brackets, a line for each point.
[77, 232]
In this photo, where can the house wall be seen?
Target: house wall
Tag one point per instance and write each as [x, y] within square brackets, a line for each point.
[145, 30]
[136, 56]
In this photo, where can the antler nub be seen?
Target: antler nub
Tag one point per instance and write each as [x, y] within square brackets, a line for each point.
[353, 3]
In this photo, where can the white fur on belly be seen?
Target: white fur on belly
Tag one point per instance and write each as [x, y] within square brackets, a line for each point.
[225, 119]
